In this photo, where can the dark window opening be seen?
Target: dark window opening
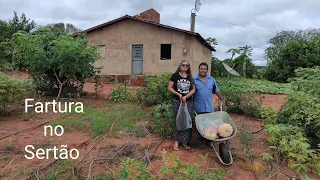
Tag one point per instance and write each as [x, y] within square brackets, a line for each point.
[165, 51]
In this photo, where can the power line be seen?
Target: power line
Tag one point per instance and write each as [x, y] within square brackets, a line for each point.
[237, 24]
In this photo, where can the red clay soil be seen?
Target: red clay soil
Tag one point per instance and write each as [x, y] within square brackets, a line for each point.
[12, 160]
[241, 168]
[274, 101]
[12, 148]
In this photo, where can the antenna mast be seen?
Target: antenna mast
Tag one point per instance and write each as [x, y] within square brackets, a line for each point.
[197, 5]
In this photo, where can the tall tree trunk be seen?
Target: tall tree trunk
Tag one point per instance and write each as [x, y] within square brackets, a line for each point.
[60, 86]
[60, 89]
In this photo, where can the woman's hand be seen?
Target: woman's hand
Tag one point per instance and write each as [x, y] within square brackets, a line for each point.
[183, 100]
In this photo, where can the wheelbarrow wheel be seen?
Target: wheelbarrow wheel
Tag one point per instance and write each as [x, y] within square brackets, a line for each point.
[224, 153]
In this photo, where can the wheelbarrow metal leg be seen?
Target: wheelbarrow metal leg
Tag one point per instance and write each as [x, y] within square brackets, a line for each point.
[225, 147]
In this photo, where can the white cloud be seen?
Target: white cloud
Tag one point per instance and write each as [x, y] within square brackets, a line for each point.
[271, 15]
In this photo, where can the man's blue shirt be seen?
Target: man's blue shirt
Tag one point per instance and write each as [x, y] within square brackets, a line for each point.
[203, 96]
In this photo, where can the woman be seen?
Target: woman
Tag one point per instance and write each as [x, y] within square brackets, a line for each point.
[182, 87]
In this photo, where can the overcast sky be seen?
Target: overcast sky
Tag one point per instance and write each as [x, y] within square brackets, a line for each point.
[269, 15]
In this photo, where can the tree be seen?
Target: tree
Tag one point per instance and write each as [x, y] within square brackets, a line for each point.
[54, 62]
[212, 41]
[22, 23]
[7, 29]
[243, 63]
[67, 29]
[5, 35]
[233, 52]
[290, 50]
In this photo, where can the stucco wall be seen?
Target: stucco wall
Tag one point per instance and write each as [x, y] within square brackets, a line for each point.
[119, 38]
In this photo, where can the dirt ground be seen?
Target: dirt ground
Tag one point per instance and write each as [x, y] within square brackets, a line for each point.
[117, 145]
[13, 164]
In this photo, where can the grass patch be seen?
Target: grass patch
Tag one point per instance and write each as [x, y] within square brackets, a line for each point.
[99, 120]
[242, 84]
[63, 170]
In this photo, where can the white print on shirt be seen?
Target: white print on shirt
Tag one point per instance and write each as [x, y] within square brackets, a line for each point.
[183, 86]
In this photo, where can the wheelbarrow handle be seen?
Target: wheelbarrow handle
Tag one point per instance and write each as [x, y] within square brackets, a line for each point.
[197, 113]
[220, 104]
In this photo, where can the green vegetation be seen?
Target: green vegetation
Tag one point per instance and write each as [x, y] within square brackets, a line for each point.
[242, 84]
[303, 106]
[59, 62]
[242, 63]
[172, 169]
[243, 103]
[62, 170]
[7, 29]
[290, 50]
[156, 90]
[13, 90]
[53, 59]
[163, 120]
[294, 129]
[99, 120]
[122, 94]
[292, 144]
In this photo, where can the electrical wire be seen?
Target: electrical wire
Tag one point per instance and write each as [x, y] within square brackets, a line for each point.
[237, 24]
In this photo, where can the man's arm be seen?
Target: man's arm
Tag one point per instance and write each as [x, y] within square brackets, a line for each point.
[220, 96]
[216, 91]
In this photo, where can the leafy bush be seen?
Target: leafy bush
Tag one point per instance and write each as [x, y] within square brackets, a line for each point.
[269, 115]
[247, 103]
[156, 90]
[303, 105]
[54, 60]
[290, 141]
[121, 94]
[307, 80]
[301, 110]
[133, 169]
[163, 119]
[252, 85]
[12, 90]
[172, 169]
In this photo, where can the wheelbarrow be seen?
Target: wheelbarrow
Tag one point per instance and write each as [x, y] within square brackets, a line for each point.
[219, 145]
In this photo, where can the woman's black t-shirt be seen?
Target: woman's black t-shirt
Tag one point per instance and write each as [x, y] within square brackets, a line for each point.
[182, 85]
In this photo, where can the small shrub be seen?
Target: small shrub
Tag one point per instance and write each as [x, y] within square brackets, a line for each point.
[290, 141]
[247, 103]
[172, 169]
[121, 94]
[307, 80]
[134, 169]
[302, 110]
[303, 105]
[163, 119]
[98, 121]
[12, 90]
[156, 90]
[269, 115]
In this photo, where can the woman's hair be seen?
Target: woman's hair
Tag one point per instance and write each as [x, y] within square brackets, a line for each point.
[188, 71]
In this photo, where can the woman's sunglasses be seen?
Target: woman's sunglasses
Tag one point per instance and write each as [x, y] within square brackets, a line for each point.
[185, 65]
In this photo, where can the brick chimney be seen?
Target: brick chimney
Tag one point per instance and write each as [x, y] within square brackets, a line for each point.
[149, 15]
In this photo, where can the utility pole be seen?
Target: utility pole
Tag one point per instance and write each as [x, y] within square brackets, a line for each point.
[197, 5]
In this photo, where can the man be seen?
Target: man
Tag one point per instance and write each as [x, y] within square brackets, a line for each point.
[206, 86]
